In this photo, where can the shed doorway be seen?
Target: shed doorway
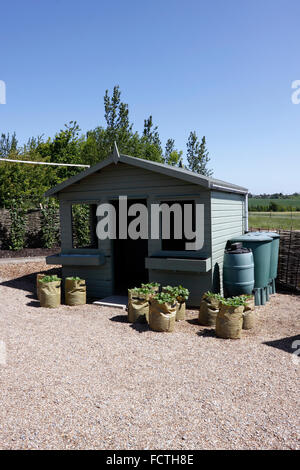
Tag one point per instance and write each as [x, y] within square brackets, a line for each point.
[129, 256]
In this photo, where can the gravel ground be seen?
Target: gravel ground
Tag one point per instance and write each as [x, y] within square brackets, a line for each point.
[81, 377]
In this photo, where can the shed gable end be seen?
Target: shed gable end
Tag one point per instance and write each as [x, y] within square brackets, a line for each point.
[122, 178]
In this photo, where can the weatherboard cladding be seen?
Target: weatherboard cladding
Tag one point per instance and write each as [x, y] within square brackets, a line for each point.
[136, 178]
[227, 221]
[122, 179]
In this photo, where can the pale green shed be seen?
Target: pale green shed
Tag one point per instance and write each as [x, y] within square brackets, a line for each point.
[111, 266]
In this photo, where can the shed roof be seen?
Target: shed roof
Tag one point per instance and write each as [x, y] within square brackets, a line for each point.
[173, 172]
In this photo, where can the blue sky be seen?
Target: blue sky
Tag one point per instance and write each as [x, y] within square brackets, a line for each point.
[222, 68]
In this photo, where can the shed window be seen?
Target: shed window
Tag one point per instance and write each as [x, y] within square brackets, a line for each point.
[175, 244]
[84, 222]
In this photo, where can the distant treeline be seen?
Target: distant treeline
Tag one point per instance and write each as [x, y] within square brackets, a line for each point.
[275, 196]
[288, 204]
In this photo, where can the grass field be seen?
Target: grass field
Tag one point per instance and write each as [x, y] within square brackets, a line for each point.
[275, 220]
[293, 203]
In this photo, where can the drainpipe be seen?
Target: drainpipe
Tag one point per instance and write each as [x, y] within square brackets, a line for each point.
[246, 213]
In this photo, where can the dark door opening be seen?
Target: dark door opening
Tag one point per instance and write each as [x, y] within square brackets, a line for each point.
[129, 256]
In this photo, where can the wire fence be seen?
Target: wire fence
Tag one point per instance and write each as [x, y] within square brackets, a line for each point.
[289, 259]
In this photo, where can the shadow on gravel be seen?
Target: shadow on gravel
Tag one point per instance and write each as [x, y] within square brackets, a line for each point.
[193, 321]
[28, 282]
[207, 332]
[34, 304]
[140, 327]
[119, 318]
[285, 344]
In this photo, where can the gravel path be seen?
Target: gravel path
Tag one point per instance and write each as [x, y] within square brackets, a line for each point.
[81, 377]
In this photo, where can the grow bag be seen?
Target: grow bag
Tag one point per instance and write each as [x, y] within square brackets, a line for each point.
[207, 314]
[211, 301]
[180, 310]
[75, 292]
[50, 294]
[229, 322]
[162, 317]
[138, 307]
[249, 320]
[250, 304]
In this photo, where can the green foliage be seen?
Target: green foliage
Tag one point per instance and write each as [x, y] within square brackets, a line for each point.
[165, 297]
[281, 203]
[74, 278]
[182, 294]
[230, 301]
[8, 144]
[151, 285]
[172, 156]
[18, 225]
[234, 301]
[141, 291]
[197, 155]
[48, 228]
[53, 278]
[212, 295]
[70, 146]
[81, 225]
[275, 220]
[168, 288]
[179, 292]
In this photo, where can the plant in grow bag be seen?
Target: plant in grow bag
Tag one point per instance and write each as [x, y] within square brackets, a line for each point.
[234, 301]
[50, 279]
[182, 294]
[165, 298]
[151, 285]
[212, 295]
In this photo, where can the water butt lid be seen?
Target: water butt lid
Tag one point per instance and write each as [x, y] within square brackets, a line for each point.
[271, 234]
[237, 248]
[252, 237]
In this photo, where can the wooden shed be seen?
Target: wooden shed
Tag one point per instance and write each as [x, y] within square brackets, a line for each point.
[111, 266]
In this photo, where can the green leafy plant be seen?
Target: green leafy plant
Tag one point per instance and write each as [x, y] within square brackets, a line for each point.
[179, 292]
[54, 278]
[48, 227]
[151, 285]
[165, 297]
[182, 293]
[168, 289]
[234, 301]
[140, 291]
[74, 278]
[82, 226]
[213, 295]
[18, 225]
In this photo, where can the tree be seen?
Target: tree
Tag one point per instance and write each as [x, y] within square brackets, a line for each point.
[69, 146]
[197, 155]
[151, 144]
[18, 225]
[116, 114]
[172, 156]
[8, 144]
